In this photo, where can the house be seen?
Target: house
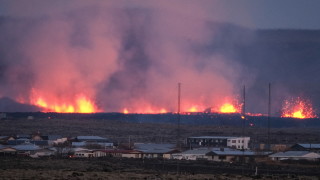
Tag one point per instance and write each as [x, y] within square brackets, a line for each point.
[231, 155]
[295, 155]
[117, 153]
[194, 154]
[26, 149]
[91, 139]
[47, 152]
[37, 137]
[58, 141]
[82, 153]
[85, 144]
[306, 147]
[7, 151]
[273, 147]
[238, 142]
[18, 141]
[218, 141]
[156, 150]
[23, 136]
[84, 141]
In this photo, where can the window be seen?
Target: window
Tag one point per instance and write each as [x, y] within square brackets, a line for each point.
[234, 141]
[222, 157]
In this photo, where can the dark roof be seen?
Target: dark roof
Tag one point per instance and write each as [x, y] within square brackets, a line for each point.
[21, 141]
[155, 148]
[26, 147]
[308, 146]
[51, 137]
[23, 136]
[40, 143]
[233, 152]
[123, 151]
[17, 141]
[291, 154]
[92, 138]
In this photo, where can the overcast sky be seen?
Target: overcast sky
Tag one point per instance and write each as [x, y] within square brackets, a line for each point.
[297, 14]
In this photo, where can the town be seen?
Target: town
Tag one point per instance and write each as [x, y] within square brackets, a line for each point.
[210, 148]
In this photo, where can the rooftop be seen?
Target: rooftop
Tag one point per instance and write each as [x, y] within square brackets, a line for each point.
[291, 154]
[213, 137]
[312, 146]
[26, 147]
[90, 138]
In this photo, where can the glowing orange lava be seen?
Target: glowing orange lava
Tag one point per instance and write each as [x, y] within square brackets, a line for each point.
[81, 105]
[298, 108]
[228, 108]
[125, 111]
[146, 110]
[193, 109]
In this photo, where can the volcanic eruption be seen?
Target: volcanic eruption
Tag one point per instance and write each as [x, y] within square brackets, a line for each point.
[298, 108]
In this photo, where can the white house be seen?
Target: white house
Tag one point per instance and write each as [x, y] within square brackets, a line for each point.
[238, 142]
[83, 153]
[218, 141]
[295, 155]
[151, 150]
[193, 154]
[230, 155]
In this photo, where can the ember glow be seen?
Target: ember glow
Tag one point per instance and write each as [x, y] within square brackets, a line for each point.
[298, 108]
[81, 105]
[147, 110]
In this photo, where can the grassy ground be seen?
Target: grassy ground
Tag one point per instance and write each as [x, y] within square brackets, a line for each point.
[113, 168]
[151, 132]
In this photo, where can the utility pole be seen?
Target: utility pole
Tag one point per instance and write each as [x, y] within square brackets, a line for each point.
[269, 114]
[243, 116]
[178, 131]
[179, 117]
[243, 111]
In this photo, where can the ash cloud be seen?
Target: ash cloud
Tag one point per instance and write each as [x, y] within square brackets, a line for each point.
[132, 54]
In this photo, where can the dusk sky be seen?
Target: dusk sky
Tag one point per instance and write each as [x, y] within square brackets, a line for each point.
[274, 14]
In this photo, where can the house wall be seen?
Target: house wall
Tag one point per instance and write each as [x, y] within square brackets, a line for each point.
[167, 156]
[83, 154]
[206, 142]
[223, 158]
[131, 155]
[99, 154]
[239, 143]
[150, 155]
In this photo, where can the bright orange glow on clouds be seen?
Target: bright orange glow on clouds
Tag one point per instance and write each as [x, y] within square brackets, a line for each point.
[298, 108]
[81, 105]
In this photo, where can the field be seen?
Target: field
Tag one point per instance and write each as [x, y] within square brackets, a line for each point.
[113, 168]
[120, 131]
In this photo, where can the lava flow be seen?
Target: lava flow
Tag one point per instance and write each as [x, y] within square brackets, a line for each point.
[81, 105]
[298, 108]
[147, 110]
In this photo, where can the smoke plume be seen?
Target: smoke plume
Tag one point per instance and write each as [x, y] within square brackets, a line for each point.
[131, 55]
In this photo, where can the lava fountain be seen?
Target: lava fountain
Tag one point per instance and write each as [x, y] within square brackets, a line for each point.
[298, 108]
